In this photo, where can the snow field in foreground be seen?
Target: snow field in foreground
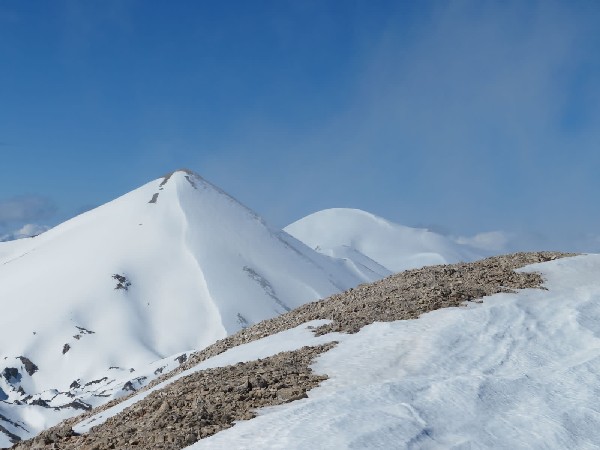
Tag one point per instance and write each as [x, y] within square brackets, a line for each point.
[518, 371]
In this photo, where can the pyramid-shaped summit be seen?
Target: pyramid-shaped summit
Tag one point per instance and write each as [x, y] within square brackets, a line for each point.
[171, 266]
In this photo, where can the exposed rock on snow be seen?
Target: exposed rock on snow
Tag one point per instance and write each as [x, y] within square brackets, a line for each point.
[198, 406]
[30, 367]
[122, 282]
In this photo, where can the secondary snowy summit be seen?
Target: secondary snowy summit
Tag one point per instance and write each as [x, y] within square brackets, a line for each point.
[377, 242]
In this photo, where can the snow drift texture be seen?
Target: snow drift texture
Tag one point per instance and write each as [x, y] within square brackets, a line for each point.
[518, 371]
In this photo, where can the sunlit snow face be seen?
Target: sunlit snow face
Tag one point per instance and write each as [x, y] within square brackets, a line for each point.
[133, 282]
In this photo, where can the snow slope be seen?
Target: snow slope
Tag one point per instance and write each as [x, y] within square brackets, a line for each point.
[359, 235]
[104, 298]
[518, 371]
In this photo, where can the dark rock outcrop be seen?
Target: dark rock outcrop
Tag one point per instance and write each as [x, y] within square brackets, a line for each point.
[30, 367]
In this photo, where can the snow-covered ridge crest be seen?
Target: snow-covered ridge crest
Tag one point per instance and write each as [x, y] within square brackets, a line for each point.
[107, 300]
[196, 181]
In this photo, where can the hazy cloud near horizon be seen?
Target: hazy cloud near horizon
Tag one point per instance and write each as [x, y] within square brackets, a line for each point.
[26, 208]
[27, 230]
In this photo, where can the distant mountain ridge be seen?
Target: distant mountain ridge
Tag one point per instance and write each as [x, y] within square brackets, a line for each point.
[357, 234]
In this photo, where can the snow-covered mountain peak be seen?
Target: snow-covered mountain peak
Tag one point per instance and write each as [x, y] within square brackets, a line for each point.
[180, 243]
[184, 182]
[190, 176]
[171, 266]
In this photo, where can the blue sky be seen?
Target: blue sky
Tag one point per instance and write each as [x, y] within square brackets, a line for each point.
[463, 116]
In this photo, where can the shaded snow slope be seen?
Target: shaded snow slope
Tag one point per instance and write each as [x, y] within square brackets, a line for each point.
[361, 236]
[518, 371]
[172, 266]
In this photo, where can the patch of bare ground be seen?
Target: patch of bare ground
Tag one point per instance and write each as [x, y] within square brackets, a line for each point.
[208, 401]
[196, 406]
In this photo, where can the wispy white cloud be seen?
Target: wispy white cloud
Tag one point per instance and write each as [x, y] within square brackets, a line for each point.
[493, 241]
[27, 230]
[477, 115]
[474, 106]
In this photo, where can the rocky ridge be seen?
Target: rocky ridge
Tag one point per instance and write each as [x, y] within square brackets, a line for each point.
[206, 402]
